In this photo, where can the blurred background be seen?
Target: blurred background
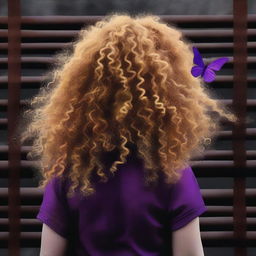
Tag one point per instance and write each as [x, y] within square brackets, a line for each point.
[97, 7]
[214, 174]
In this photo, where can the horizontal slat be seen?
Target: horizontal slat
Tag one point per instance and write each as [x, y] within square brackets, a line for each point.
[205, 168]
[206, 235]
[45, 45]
[63, 19]
[204, 221]
[40, 79]
[225, 154]
[29, 192]
[73, 33]
[50, 60]
[218, 235]
[32, 222]
[221, 45]
[210, 164]
[224, 221]
[250, 133]
[228, 102]
[210, 239]
[212, 211]
[23, 208]
[228, 210]
[3, 121]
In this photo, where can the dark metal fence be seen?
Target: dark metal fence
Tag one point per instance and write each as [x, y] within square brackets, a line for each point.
[231, 217]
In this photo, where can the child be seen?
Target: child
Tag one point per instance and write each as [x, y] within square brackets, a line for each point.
[114, 132]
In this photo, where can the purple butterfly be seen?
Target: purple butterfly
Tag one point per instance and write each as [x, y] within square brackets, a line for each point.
[206, 71]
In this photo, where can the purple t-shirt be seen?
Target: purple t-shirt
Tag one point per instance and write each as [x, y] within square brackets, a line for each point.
[123, 217]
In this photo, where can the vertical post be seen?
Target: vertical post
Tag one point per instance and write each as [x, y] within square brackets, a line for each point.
[239, 131]
[14, 79]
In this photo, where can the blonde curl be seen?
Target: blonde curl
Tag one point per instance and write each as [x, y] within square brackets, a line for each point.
[125, 81]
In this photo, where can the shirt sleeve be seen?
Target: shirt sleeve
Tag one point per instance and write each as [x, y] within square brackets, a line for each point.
[54, 210]
[186, 201]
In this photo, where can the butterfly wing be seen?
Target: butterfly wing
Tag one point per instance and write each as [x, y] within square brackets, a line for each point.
[209, 75]
[196, 71]
[218, 63]
[198, 60]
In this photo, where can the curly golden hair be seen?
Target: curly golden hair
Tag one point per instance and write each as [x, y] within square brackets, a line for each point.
[125, 83]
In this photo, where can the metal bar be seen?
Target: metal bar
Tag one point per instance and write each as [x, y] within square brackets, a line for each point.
[40, 79]
[224, 193]
[206, 223]
[213, 210]
[250, 103]
[215, 168]
[192, 33]
[53, 46]
[64, 19]
[208, 154]
[14, 75]
[239, 104]
[51, 59]
[216, 236]
[209, 235]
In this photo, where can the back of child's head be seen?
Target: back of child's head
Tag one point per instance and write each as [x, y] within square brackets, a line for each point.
[125, 83]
